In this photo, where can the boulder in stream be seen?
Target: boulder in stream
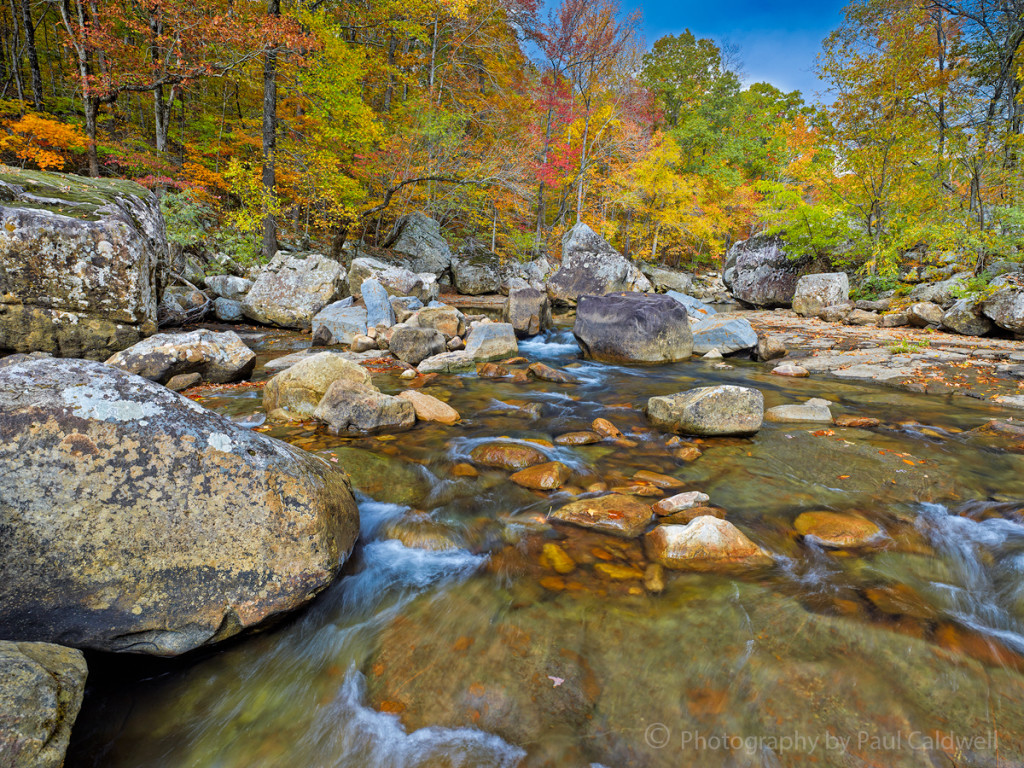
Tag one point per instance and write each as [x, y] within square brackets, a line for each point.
[590, 266]
[615, 513]
[528, 310]
[133, 519]
[814, 293]
[217, 357]
[633, 328]
[706, 543]
[719, 410]
[293, 288]
[759, 272]
[295, 393]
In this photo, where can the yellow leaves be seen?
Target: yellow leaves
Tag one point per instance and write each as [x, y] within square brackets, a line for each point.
[41, 141]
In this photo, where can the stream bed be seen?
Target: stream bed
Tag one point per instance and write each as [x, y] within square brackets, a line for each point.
[450, 640]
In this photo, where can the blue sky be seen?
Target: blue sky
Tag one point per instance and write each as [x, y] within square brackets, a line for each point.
[777, 40]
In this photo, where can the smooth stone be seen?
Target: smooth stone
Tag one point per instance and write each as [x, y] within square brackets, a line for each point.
[447, 362]
[834, 529]
[339, 323]
[491, 341]
[657, 479]
[578, 438]
[814, 409]
[725, 333]
[617, 514]
[429, 408]
[543, 477]
[680, 501]
[705, 544]
[770, 348]
[547, 373]
[346, 409]
[509, 456]
[379, 312]
[792, 370]
[605, 428]
[295, 393]
[718, 410]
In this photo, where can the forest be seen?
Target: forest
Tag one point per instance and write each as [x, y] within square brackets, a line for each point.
[318, 123]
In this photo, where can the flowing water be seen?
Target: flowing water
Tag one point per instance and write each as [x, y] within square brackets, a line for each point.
[449, 641]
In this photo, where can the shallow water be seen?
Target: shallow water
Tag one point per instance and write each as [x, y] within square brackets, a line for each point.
[464, 649]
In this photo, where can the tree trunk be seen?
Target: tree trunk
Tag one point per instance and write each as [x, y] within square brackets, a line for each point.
[161, 118]
[90, 102]
[33, 57]
[270, 136]
[583, 167]
[389, 92]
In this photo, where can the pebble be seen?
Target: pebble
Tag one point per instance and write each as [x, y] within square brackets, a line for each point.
[792, 370]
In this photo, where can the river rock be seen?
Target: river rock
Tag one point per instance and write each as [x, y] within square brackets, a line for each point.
[770, 348]
[397, 280]
[528, 311]
[447, 362]
[895, 320]
[491, 341]
[228, 311]
[476, 270]
[1005, 308]
[379, 313]
[197, 528]
[413, 345]
[339, 323]
[924, 313]
[663, 280]
[837, 313]
[725, 333]
[681, 501]
[965, 317]
[448, 320]
[41, 688]
[543, 477]
[614, 513]
[405, 307]
[834, 529]
[429, 408]
[815, 292]
[547, 373]
[762, 273]
[228, 287]
[509, 456]
[792, 370]
[862, 317]
[292, 289]
[295, 393]
[941, 293]
[706, 543]
[696, 310]
[348, 409]
[633, 328]
[82, 262]
[590, 266]
[719, 410]
[217, 357]
[814, 409]
[524, 274]
[418, 238]
[584, 437]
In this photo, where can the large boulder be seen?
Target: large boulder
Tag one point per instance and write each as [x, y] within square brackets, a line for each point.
[965, 318]
[517, 274]
[412, 345]
[448, 320]
[476, 270]
[492, 341]
[590, 266]
[293, 288]
[228, 310]
[81, 263]
[761, 272]
[418, 238]
[379, 312]
[1005, 308]
[228, 286]
[663, 280]
[339, 323]
[633, 328]
[720, 410]
[726, 333]
[943, 292]
[528, 311]
[397, 280]
[217, 357]
[295, 393]
[133, 519]
[924, 313]
[41, 688]
[815, 292]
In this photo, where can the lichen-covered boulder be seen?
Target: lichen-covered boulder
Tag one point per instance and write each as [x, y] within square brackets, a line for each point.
[491, 341]
[761, 272]
[965, 318]
[924, 313]
[726, 333]
[528, 311]
[228, 286]
[1005, 308]
[418, 238]
[697, 311]
[295, 393]
[133, 519]
[41, 688]
[217, 357]
[524, 274]
[476, 270]
[633, 328]
[720, 410]
[363, 410]
[293, 288]
[412, 345]
[228, 310]
[339, 323]
[81, 263]
[664, 280]
[397, 280]
[815, 292]
[590, 266]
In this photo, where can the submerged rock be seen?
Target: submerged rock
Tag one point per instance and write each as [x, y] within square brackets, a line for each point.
[615, 513]
[41, 688]
[543, 477]
[197, 528]
[721, 410]
[633, 328]
[217, 357]
[815, 409]
[81, 263]
[590, 266]
[706, 543]
[834, 529]
[507, 455]
[384, 478]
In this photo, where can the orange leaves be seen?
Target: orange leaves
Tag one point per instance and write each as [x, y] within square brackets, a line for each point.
[40, 141]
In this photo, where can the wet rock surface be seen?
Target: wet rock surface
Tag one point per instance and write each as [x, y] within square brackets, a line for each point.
[633, 328]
